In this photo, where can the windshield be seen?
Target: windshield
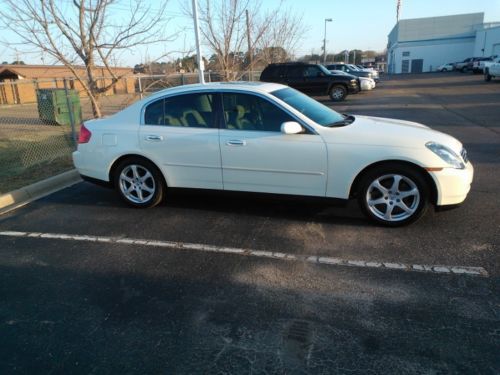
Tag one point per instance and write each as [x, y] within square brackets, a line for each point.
[324, 70]
[353, 67]
[309, 107]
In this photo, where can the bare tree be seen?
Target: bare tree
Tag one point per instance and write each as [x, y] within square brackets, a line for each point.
[279, 41]
[234, 29]
[86, 32]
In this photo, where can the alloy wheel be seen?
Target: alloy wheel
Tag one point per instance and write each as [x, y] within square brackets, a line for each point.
[137, 184]
[393, 197]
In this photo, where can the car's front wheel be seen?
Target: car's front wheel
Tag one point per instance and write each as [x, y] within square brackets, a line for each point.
[139, 183]
[487, 76]
[394, 195]
[338, 93]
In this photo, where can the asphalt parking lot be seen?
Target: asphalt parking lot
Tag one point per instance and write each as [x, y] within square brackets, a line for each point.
[237, 284]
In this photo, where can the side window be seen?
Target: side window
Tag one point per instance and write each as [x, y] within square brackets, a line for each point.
[312, 71]
[250, 112]
[295, 71]
[154, 113]
[270, 72]
[190, 110]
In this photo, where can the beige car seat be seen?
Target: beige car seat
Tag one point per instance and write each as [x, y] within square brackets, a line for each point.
[190, 115]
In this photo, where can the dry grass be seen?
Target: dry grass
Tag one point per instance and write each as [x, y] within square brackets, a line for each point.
[31, 150]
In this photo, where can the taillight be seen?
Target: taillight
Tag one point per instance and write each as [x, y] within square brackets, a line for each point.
[85, 134]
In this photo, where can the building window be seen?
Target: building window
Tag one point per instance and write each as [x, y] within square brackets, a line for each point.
[405, 66]
[406, 54]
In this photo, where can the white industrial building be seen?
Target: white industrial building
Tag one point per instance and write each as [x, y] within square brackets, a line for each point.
[422, 44]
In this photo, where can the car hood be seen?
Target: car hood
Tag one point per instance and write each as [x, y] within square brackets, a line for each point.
[379, 131]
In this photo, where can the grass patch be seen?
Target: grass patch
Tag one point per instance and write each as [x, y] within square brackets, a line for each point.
[30, 153]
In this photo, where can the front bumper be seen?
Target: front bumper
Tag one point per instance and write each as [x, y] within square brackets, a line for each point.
[452, 184]
[353, 88]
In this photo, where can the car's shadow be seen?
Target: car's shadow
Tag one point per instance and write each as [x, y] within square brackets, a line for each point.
[228, 203]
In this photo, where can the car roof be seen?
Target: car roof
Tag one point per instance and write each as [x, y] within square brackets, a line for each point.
[214, 86]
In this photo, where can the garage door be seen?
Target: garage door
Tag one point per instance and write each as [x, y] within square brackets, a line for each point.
[417, 65]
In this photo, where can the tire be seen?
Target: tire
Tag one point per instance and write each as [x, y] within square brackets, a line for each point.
[487, 76]
[464, 69]
[338, 93]
[397, 205]
[444, 70]
[139, 183]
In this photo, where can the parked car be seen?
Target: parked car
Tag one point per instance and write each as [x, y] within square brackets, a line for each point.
[354, 70]
[475, 63]
[463, 66]
[375, 73]
[491, 69]
[270, 138]
[365, 83]
[446, 67]
[478, 65]
[311, 79]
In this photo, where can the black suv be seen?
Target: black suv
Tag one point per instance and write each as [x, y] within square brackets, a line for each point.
[311, 79]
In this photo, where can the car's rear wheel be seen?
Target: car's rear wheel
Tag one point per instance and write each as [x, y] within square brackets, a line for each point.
[338, 93]
[394, 195]
[139, 183]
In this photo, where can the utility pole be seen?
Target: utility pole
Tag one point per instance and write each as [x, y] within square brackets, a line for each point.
[249, 41]
[201, 65]
[324, 40]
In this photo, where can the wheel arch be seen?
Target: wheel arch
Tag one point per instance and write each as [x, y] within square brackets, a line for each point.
[116, 162]
[343, 84]
[428, 178]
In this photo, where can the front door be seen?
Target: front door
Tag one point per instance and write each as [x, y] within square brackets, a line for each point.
[315, 81]
[256, 156]
[181, 135]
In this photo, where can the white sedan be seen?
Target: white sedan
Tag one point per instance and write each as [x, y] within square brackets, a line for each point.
[270, 138]
[448, 67]
[365, 83]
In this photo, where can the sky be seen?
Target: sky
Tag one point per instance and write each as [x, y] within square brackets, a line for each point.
[358, 24]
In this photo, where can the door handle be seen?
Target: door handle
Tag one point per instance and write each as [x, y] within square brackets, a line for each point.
[153, 137]
[236, 142]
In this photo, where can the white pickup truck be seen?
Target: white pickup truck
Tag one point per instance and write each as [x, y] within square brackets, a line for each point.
[492, 69]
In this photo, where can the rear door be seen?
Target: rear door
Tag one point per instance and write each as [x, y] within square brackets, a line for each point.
[180, 133]
[295, 77]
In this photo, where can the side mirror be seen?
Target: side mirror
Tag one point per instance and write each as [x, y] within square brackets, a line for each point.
[291, 127]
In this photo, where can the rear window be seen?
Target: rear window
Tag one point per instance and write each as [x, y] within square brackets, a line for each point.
[270, 72]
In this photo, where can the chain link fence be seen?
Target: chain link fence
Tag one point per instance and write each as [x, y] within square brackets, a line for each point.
[40, 120]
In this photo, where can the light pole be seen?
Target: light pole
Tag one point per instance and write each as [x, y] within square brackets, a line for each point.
[324, 40]
[201, 66]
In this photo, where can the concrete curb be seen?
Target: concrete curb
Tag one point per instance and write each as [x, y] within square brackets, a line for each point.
[27, 194]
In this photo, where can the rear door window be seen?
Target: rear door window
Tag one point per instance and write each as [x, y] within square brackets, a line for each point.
[189, 110]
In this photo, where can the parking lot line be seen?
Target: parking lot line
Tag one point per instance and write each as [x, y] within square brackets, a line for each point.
[441, 269]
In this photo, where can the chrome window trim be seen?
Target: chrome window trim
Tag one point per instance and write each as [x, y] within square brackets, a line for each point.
[142, 121]
[222, 91]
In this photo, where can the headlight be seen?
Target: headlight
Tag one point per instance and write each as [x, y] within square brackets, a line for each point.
[446, 154]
